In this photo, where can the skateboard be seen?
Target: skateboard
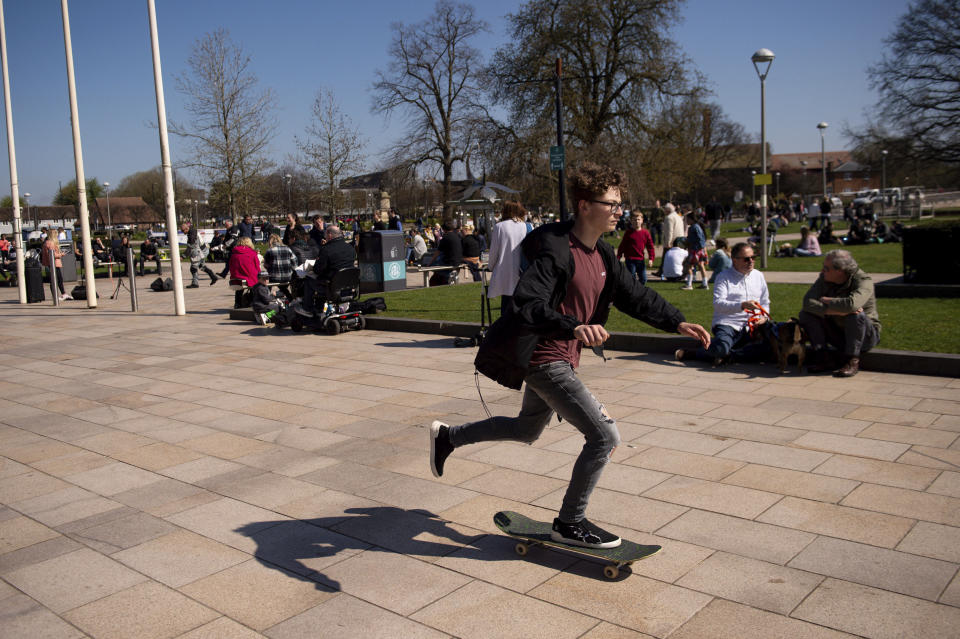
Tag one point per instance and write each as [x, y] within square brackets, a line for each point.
[537, 533]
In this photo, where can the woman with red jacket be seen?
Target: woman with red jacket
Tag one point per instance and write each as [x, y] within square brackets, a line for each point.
[635, 240]
[245, 262]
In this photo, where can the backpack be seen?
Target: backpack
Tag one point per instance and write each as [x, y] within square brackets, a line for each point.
[373, 305]
[161, 284]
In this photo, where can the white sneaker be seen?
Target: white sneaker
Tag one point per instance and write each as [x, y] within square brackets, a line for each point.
[687, 288]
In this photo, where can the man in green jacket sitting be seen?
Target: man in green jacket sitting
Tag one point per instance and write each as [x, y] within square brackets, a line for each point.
[840, 309]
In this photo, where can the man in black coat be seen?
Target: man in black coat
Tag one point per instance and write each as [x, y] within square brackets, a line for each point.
[335, 254]
[560, 305]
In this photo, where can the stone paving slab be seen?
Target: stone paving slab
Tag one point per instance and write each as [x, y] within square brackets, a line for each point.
[199, 477]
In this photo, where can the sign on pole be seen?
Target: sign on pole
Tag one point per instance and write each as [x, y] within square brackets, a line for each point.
[557, 158]
[762, 178]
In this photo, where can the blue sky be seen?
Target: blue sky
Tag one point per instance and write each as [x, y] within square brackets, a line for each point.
[823, 49]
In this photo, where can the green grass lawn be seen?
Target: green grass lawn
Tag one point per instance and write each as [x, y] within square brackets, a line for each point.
[914, 324]
[872, 258]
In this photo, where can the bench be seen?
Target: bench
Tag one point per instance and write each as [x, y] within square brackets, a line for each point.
[430, 270]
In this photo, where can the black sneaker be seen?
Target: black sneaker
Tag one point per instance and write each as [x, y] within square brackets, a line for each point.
[584, 534]
[214, 278]
[194, 286]
[440, 447]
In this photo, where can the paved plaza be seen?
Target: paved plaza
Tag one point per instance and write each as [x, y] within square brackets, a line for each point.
[198, 477]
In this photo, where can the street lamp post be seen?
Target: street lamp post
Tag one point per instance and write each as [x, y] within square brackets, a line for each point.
[753, 187]
[761, 57]
[777, 195]
[288, 179]
[823, 157]
[106, 187]
[26, 198]
[883, 183]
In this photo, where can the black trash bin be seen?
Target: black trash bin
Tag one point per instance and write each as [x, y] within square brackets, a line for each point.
[33, 278]
[383, 265]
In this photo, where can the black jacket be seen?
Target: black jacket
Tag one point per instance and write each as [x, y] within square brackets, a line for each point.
[334, 255]
[450, 250]
[505, 352]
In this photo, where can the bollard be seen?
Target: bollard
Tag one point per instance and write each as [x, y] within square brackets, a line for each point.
[53, 278]
[133, 281]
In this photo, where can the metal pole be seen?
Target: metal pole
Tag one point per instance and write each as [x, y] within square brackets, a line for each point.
[133, 281]
[109, 219]
[78, 161]
[562, 187]
[823, 164]
[12, 154]
[883, 184]
[763, 191]
[53, 278]
[179, 308]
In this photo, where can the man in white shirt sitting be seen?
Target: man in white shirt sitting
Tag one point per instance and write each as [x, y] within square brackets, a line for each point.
[673, 261]
[736, 291]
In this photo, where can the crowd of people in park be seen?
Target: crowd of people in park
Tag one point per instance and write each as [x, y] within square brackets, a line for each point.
[839, 315]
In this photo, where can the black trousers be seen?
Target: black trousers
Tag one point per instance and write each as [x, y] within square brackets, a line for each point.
[151, 258]
[854, 336]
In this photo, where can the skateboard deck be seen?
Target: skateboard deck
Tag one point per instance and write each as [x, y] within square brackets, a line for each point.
[537, 533]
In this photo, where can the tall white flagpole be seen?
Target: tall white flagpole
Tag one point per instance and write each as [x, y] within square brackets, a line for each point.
[171, 210]
[12, 153]
[78, 161]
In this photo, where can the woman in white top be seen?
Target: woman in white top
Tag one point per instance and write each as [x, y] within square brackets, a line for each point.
[505, 254]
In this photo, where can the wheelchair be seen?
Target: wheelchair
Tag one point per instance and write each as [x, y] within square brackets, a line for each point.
[339, 310]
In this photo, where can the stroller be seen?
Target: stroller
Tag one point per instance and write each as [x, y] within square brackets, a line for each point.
[339, 310]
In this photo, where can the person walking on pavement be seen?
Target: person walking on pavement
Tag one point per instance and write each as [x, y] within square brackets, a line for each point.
[561, 303]
[230, 237]
[197, 251]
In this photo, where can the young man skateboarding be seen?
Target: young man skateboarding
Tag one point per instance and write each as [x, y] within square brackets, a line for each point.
[559, 305]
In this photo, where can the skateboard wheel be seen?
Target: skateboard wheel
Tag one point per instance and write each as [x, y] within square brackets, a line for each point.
[611, 572]
[521, 549]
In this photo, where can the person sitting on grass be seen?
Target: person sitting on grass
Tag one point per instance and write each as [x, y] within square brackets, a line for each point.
[826, 235]
[719, 261]
[809, 246]
[672, 267]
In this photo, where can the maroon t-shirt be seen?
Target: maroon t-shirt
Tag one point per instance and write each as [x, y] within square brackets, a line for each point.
[583, 291]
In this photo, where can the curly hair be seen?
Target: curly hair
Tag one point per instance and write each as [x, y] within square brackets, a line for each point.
[513, 210]
[590, 181]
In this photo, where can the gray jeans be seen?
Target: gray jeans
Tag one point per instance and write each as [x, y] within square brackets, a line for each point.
[555, 388]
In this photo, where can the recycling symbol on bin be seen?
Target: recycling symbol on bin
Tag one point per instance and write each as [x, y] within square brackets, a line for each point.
[394, 252]
[394, 271]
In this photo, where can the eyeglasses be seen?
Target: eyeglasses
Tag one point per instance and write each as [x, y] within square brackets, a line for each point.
[748, 258]
[614, 206]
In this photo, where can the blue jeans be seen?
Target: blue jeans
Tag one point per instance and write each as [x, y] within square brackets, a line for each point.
[728, 340]
[554, 387]
[637, 268]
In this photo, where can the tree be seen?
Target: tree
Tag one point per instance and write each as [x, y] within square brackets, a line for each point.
[433, 79]
[333, 147]
[7, 202]
[919, 79]
[618, 66]
[232, 120]
[149, 185]
[67, 195]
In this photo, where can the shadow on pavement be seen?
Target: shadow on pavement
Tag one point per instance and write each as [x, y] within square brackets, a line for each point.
[307, 547]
